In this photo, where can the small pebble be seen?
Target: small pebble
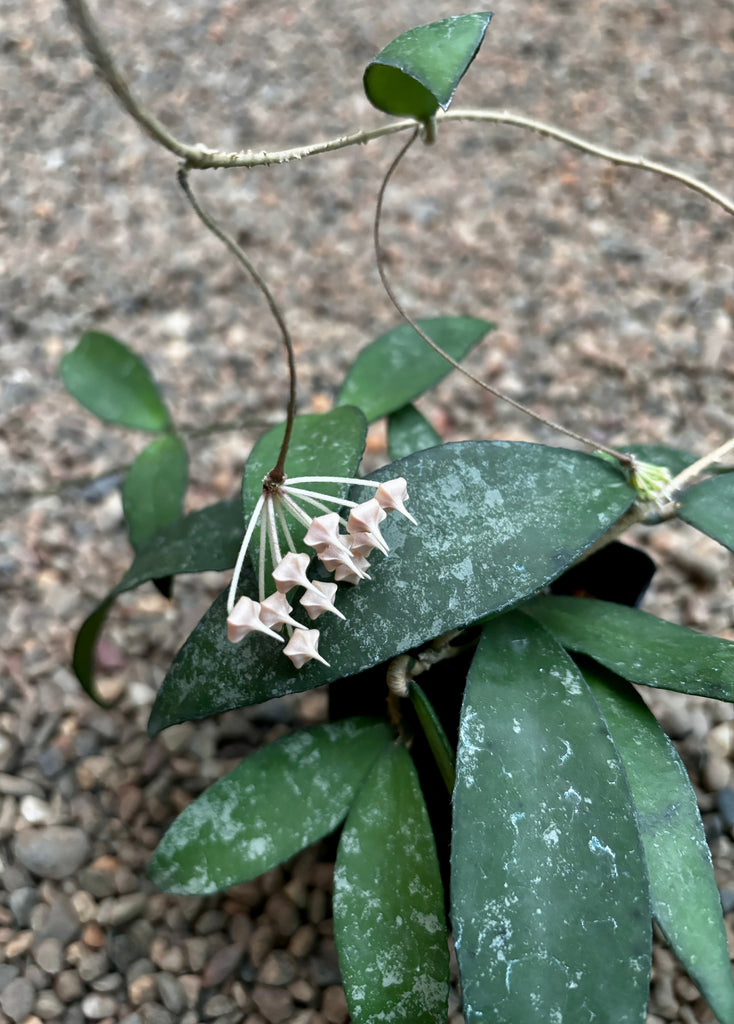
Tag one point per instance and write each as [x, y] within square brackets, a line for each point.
[276, 1005]
[334, 1005]
[97, 1007]
[48, 1006]
[49, 955]
[224, 962]
[68, 986]
[54, 852]
[143, 989]
[17, 999]
[171, 992]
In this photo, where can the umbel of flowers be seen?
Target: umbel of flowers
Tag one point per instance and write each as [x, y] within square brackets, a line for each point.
[341, 545]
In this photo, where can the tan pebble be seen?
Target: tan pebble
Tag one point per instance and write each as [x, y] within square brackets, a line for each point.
[19, 945]
[261, 943]
[720, 740]
[302, 941]
[238, 992]
[322, 875]
[240, 929]
[334, 1005]
[131, 797]
[85, 905]
[173, 960]
[685, 989]
[317, 904]
[275, 1004]
[106, 863]
[143, 989]
[191, 984]
[297, 892]
[302, 991]
[283, 913]
[716, 774]
[94, 936]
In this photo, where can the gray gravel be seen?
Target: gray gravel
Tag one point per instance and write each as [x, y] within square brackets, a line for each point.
[614, 297]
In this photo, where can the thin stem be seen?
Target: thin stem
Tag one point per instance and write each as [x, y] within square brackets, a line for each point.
[242, 552]
[332, 480]
[319, 505]
[295, 510]
[702, 464]
[277, 472]
[284, 523]
[261, 558]
[621, 457]
[318, 494]
[275, 554]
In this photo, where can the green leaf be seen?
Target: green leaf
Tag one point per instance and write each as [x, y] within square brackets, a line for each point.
[550, 903]
[674, 459]
[113, 383]
[207, 539]
[154, 488]
[389, 918]
[435, 734]
[409, 431]
[278, 801]
[640, 647]
[419, 71]
[685, 899]
[398, 366]
[322, 444]
[709, 506]
[496, 522]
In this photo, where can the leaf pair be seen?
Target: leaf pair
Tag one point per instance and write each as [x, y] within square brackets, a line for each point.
[562, 847]
[388, 899]
[107, 378]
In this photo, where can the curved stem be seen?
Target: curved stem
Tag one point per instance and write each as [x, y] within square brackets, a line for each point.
[621, 457]
[277, 473]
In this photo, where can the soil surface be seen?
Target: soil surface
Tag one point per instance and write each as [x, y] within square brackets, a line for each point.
[613, 295]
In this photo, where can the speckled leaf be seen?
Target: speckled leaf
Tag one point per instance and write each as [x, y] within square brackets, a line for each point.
[409, 431]
[279, 800]
[420, 70]
[709, 506]
[685, 899]
[322, 444]
[496, 522]
[398, 366]
[640, 647]
[113, 383]
[389, 917]
[550, 903]
[154, 488]
[207, 539]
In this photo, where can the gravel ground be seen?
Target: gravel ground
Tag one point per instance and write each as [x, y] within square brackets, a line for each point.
[613, 292]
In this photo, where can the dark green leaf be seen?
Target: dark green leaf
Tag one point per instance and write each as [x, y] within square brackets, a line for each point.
[113, 383]
[550, 903]
[322, 444]
[154, 488]
[496, 522]
[389, 917]
[674, 459]
[685, 899]
[709, 506]
[640, 647]
[208, 539]
[435, 735]
[408, 431]
[420, 70]
[398, 366]
[279, 800]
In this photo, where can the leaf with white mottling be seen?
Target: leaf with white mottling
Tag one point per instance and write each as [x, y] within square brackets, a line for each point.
[550, 902]
[389, 918]
[685, 899]
[495, 522]
[279, 800]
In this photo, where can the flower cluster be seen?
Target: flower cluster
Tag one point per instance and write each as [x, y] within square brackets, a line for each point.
[342, 553]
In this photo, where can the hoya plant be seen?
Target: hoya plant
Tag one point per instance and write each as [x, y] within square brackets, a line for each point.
[494, 775]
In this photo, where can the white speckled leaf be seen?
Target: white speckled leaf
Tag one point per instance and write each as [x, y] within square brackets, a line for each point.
[639, 646]
[685, 899]
[389, 917]
[550, 903]
[275, 803]
[496, 522]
